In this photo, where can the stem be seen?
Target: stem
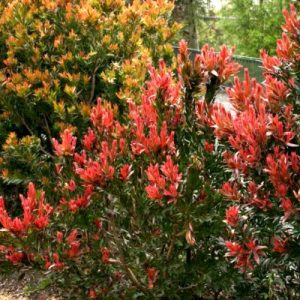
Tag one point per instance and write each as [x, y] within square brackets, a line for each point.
[32, 133]
[171, 247]
[123, 263]
[172, 243]
[93, 84]
[47, 128]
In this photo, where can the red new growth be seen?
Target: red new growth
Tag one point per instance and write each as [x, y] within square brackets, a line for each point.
[35, 213]
[164, 181]
[152, 274]
[232, 215]
[67, 145]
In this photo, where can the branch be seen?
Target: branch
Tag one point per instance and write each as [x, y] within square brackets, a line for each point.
[32, 133]
[172, 243]
[93, 84]
[123, 263]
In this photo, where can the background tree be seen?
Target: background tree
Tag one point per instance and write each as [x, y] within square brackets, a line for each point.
[188, 13]
[251, 25]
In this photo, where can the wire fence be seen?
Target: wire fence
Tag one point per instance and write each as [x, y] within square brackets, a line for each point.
[254, 65]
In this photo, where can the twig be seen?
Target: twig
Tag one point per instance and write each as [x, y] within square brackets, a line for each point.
[172, 243]
[188, 287]
[47, 127]
[93, 84]
[32, 133]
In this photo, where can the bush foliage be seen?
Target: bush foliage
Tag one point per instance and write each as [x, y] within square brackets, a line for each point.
[58, 57]
[170, 194]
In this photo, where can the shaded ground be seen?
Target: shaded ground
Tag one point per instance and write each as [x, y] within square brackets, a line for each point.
[27, 284]
[222, 97]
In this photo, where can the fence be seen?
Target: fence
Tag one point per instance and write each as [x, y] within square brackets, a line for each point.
[254, 65]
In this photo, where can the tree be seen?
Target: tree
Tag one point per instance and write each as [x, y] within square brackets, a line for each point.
[251, 25]
[185, 12]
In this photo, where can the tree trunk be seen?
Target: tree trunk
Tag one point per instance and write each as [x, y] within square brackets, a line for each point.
[185, 13]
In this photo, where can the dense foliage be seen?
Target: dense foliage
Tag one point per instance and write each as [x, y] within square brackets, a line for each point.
[129, 202]
[171, 195]
[57, 57]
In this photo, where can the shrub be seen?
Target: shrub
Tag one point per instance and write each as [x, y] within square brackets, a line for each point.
[164, 198]
[57, 57]
[261, 150]
[138, 208]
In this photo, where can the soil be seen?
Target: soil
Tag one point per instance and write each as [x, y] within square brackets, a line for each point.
[27, 284]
